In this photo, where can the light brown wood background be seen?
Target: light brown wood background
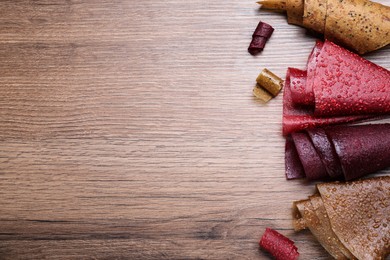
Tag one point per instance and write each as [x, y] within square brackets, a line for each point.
[128, 130]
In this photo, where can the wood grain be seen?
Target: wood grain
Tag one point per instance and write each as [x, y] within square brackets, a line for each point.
[128, 130]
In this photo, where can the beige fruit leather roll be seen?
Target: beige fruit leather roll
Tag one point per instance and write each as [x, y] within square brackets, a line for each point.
[360, 25]
[351, 220]
[311, 214]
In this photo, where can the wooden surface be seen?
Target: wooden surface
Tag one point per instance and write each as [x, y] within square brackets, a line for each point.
[128, 130]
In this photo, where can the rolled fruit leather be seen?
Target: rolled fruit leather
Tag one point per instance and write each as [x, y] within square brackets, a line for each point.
[350, 220]
[360, 25]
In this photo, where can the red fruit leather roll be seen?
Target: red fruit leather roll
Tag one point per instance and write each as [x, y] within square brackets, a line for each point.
[279, 246]
[347, 84]
[296, 118]
[361, 149]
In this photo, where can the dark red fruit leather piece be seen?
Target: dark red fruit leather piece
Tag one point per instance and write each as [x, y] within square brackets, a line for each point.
[260, 37]
[279, 246]
[294, 168]
[311, 162]
[347, 84]
[296, 118]
[326, 152]
[361, 149]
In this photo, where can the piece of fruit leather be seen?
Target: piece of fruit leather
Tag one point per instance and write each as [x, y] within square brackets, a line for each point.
[260, 37]
[359, 213]
[302, 84]
[361, 25]
[311, 162]
[279, 246]
[347, 84]
[326, 152]
[296, 118]
[361, 149]
[338, 152]
[293, 165]
[312, 213]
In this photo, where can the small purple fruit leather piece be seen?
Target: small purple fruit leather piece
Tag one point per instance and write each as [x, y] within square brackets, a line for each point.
[260, 37]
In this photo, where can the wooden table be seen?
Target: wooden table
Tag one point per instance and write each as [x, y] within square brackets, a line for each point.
[129, 131]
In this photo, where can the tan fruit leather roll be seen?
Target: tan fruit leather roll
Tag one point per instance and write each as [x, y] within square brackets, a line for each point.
[360, 25]
[313, 216]
[355, 214]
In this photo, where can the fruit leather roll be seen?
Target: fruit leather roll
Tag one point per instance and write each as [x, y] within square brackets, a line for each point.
[337, 87]
[338, 152]
[350, 220]
[297, 117]
[360, 25]
[345, 83]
